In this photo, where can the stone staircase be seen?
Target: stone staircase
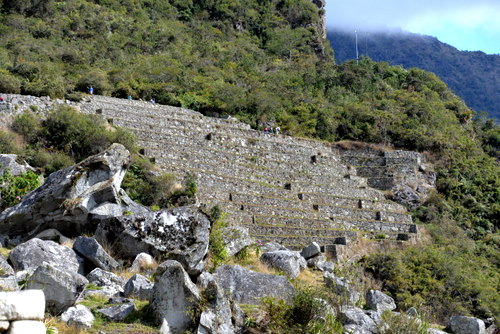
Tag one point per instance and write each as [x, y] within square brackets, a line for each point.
[285, 189]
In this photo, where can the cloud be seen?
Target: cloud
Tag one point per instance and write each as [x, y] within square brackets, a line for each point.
[377, 15]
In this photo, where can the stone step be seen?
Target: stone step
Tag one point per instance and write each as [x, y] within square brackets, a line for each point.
[340, 224]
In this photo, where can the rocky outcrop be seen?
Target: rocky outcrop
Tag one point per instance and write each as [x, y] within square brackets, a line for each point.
[236, 238]
[185, 228]
[289, 262]
[9, 162]
[33, 253]
[247, 287]
[92, 251]
[466, 325]
[342, 287]
[356, 321]
[78, 316]
[174, 297]
[111, 284]
[61, 288]
[138, 287]
[379, 301]
[73, 200]
[216, 315]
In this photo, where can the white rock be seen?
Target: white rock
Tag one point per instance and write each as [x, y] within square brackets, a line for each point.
[22, 305]
[78, 316]
[4, 325]
[26, 326]
[141, 262]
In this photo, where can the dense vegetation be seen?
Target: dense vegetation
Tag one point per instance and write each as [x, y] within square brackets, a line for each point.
[65, 137]
[262, 61]
[474, 76]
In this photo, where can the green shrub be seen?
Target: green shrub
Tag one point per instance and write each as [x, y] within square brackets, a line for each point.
[13, 188]
[9, 84]
[216, 246]
[7, 144]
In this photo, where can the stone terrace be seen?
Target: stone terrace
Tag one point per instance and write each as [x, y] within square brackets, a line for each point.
[285, 189]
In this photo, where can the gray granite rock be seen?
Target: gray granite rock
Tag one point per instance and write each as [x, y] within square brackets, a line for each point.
[289, 262]
[53, 235]
[61, 288]
[235, 239]
[174, 297]
[247, 287]
[138, 287]
[5, 268]
[78, 316]
[313, 249]
[8, 283]
[12, 163]
[73, 200]
[32, 253]
[216, 315]
[341, 287]
[350, 315]
[110, 283]
[143, 262]
[91, 250]
[466, 325]
[179, 234]
[379, 301]
[117, 312]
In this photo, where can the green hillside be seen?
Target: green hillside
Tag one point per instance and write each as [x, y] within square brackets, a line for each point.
[474, 76]
[265, 61]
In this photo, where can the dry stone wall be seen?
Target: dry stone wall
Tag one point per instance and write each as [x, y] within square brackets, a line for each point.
[284, 189]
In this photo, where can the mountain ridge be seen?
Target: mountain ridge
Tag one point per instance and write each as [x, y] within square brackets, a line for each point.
[473, 75]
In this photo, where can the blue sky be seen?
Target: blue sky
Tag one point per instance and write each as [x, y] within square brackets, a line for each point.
[464, 24]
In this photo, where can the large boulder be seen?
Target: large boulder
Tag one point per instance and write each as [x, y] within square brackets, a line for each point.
[78, 316]
[110, 284]
[312, 250]
[138, 287]
[174, 297]
[466, 325]
[118, 312]
[379, 301]
[247, 287]
[289, 262]
[5, 268]
[91, 250]
[11, 163]
[32, 253]
[73, 200]
[342, 287]
[236, 238]
[143, 262]
[22, 305]
[179, 234]
[356, 319]
[216, 315]
[61, 288]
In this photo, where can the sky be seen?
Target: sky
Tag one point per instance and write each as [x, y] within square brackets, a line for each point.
[472, 25]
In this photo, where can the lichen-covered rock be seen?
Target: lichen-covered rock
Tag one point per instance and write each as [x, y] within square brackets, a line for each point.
[138, 287]
[216, 315]
[53, 235]
[110, 283]
[78, 316]
[74, 199]
[290, 262]
[356, 318]
[8, 283]
[313, 249]
[236, 238]
[61, 288]
[22, 305]
[379, 301]
[117, 312]
[10, 162]
[142, 262]
[466, 325]
[90, 249]
[5, 268]
[341, 287]
[174, 297]
[34, 252]
[179, 234]
[247, 287]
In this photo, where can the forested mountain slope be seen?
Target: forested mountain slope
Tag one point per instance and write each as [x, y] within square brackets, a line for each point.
[265, 61]
[474, 76]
